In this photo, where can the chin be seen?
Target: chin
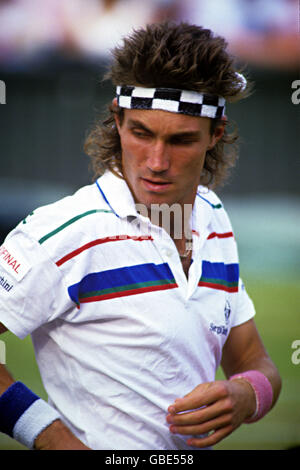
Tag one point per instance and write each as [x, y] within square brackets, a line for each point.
[151, 199]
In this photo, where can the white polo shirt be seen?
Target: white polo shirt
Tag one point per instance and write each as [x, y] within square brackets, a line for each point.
[119, 331]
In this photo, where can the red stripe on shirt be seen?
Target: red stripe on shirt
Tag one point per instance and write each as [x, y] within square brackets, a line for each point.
[100, 241]
[220, 235]
[113, 295]
[218, 286]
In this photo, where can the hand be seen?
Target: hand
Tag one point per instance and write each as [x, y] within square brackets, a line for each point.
[58, 437]
[213, 408]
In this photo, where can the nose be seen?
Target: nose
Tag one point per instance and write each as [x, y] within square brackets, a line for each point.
[158, 158]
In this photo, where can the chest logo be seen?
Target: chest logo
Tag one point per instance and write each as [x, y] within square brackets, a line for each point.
[227, 311]
[222, 329]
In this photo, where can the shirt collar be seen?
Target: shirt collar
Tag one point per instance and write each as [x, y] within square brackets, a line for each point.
[117, 195]
[119, 198]
[201, 217]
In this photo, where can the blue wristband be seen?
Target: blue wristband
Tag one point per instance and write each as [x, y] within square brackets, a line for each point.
[24, 415]
[13, 403]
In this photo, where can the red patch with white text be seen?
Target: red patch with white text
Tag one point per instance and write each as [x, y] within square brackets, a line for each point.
[13, 261]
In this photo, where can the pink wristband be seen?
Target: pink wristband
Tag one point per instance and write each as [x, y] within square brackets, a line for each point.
[263, 392]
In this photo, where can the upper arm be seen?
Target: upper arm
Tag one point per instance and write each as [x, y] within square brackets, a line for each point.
[32, 298]
[243, 349]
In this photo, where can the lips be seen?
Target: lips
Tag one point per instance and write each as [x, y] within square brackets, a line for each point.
[155, 185]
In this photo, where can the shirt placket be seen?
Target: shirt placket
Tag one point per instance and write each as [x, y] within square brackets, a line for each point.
[167, 251]
[201, 218]
[195, 270]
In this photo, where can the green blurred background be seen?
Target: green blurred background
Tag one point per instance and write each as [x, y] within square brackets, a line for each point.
[53, 98]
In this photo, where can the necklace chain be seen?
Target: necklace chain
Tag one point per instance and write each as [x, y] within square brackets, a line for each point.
[188, 248]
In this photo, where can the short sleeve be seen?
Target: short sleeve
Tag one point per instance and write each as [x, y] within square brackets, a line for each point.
[244, 309]
[32, 290]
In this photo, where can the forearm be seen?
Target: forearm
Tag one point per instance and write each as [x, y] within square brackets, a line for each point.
[58, 436]
[54, 436]
[50, 434]
[244, 351]
[264, 365]
[6, 380]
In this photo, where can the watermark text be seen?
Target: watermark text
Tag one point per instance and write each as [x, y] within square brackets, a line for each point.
[173, 218]
[296, 94]
[296, 354]
[2, 92]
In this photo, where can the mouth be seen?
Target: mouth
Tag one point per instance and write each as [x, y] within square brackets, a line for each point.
[155, 185]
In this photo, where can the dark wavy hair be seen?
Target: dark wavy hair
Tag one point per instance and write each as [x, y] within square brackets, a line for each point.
[171, 55]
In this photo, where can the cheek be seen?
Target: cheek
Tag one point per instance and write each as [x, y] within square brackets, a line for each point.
[190, 163]
[133, 153]
[132, 157]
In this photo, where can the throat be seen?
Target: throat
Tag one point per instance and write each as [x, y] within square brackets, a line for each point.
[186, 263]
[185, 249]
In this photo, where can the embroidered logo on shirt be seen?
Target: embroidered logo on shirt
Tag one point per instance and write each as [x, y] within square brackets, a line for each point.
[13, 263]
[222, 329]
[227, 311]
[219, 330]
[5, 284]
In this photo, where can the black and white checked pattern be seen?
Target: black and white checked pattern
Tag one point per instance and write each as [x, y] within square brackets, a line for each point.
[172, 100]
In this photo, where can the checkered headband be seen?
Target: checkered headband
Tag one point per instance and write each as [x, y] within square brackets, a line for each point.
[172, 100]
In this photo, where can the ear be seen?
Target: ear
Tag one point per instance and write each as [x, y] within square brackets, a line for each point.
[218, 134]
[116, 115]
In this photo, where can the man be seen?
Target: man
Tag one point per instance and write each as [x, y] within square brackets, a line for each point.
[130, 288]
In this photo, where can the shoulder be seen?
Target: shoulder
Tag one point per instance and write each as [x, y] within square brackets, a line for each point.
[215, 207]
[46, 221]
[64, 223]
[210, 197]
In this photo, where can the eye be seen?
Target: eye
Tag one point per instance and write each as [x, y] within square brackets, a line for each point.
[140, 133]
[182, 141]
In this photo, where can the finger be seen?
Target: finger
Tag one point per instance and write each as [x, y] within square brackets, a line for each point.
[182, 403]
[187, 418]
[212, 439]
[202, 395]
[207, 413]
[201, 388]
[203, 428]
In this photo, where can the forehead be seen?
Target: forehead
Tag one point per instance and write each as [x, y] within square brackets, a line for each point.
[165, 121]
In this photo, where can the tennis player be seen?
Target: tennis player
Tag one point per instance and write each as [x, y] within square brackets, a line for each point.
[130, 288]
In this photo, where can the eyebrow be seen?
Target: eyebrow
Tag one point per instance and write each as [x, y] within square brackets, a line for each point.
[140, 125]
[184, 134]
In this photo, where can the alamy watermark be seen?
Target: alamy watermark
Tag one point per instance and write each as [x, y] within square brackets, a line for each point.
[173, 218]
[161, 220]
[2, 352]
[2, 92]
[295, 97]
[296, 354]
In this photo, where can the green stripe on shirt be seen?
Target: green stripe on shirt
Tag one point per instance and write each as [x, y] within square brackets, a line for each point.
[138, 285]
[71, 221]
